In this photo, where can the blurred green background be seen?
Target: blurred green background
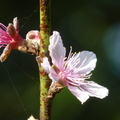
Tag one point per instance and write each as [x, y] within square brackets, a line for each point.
[92, 25]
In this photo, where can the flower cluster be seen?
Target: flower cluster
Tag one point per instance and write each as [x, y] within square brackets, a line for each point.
[10, 35]
[10, 39]
[72, 71]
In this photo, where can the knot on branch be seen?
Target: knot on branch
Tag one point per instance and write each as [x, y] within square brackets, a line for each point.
[54, 89]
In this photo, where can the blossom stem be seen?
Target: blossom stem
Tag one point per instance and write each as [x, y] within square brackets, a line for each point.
[45, 103]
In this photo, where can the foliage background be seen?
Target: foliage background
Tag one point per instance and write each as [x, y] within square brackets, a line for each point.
[84, 24]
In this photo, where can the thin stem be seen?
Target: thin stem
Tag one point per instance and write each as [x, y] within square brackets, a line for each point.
[45, 103]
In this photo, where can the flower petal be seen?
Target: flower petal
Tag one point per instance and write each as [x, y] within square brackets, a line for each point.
[94, 89]
[46, 65]
[51, 73]
[16, 24]
[85, 62]
[87, 89]
[78, 93]
[31, 118]
[57, 50]
[4, 38]
[5, 53]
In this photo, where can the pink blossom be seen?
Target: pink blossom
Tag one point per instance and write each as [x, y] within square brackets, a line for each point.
[9, 35]
[31, 118]
[72, 71]
[33, 34]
